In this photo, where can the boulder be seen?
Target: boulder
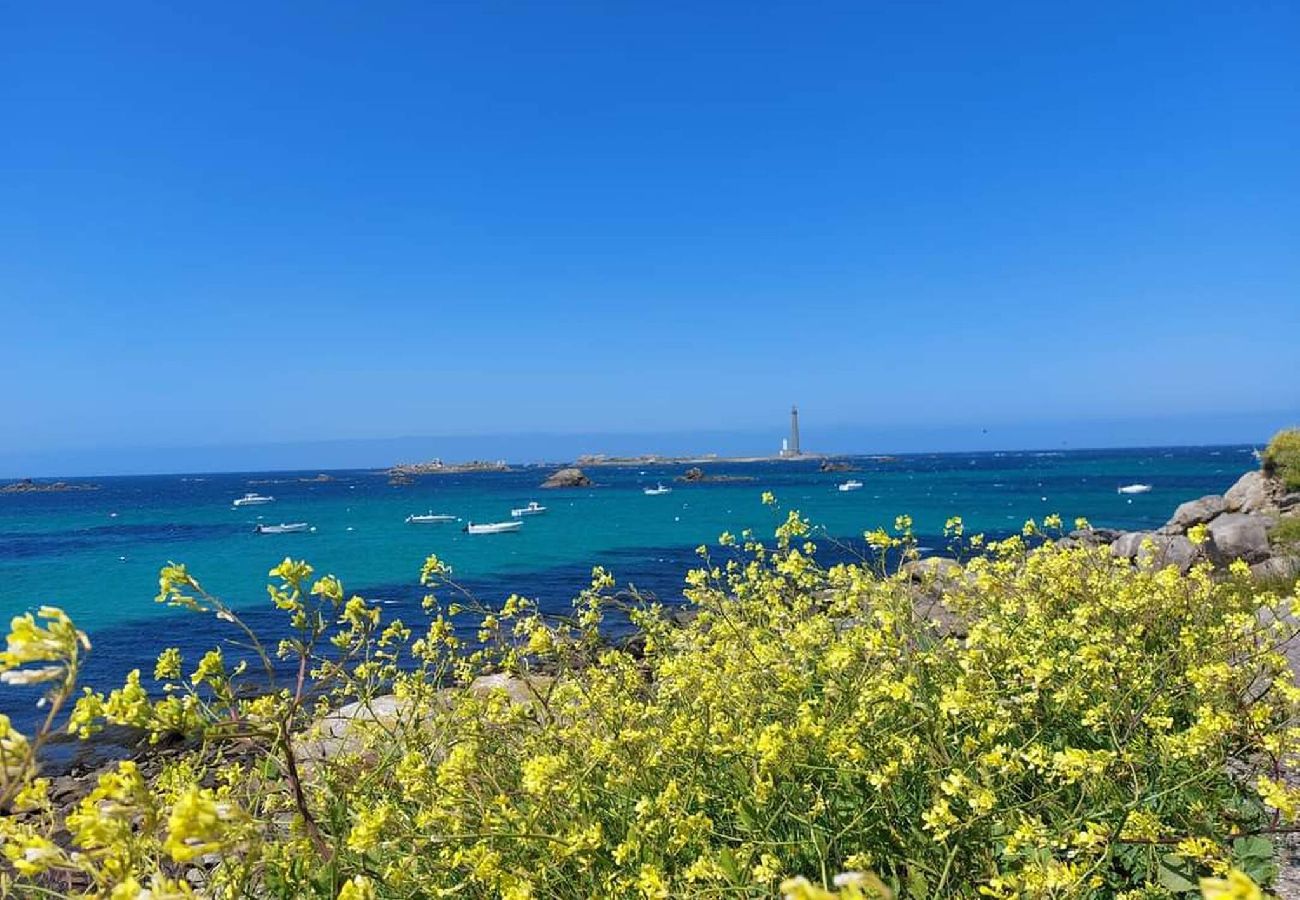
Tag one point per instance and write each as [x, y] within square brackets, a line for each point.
[936, 567]
[338, 731]
[1090, 537]
[1166, 549]
[1239, 536]
[567, 478]
[1253, 492]
[1278, 567]
[1194, 512]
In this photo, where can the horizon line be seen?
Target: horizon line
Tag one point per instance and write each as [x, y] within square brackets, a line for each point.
[669, 459]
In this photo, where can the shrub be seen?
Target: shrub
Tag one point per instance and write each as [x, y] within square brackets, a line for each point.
[1099, 730]
[1286, 534]
[1282, 457]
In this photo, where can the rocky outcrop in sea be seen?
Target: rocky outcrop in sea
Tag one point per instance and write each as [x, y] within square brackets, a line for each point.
[567, 478]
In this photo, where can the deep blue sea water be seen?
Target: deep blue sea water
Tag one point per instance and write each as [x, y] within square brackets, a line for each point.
[97, 553]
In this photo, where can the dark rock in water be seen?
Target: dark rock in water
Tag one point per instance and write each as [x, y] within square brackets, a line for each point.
[836, 465]
[567, 478]
[697, 475]
[1194, 512]
[1240, 536]
[27, 486]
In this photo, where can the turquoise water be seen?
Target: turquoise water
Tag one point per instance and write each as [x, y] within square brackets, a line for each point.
[97, 553]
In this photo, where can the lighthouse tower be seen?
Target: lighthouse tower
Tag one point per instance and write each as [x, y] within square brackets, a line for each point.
[791, 447]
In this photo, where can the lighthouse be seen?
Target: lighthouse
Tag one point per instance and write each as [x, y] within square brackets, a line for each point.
[790, 446]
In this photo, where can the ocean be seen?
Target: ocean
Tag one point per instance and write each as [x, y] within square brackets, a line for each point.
[97, 553]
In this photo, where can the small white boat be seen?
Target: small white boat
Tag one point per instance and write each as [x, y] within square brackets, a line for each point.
[430, 518]
[253, 500]
[283, 528]
[1135, 489]
[493, 527]
[656, 490]
[532, 509]
[850, 485]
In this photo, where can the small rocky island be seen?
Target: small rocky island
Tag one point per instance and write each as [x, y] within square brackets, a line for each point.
[696, 475]
[438, 467]
[568, 478]
[27, 486]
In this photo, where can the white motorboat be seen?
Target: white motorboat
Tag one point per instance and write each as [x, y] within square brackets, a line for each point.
[493, 527]
[1135, 489]
[283, 528]
[253, 500]
[532, 509]
[656, 490]
[850, 485]
[430, 518]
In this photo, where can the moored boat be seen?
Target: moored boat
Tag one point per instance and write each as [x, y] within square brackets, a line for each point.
[1135, 489]
[850, 485]
[493, 527]
[430, 518]
[283, 528]
[251, 499]
[657, 490]
[532, 509]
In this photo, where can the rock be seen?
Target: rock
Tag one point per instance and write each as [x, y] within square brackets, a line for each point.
[1166, 550]
[1278, 567]
[696, 475]
[836, 465]
[1090, 537]
[567, 478]
[1253, 492]
[1287, 501]
[337, 733]
[1239, 536]
[1194, 512]
[936, 567]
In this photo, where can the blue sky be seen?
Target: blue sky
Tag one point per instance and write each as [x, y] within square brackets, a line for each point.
[292, 223]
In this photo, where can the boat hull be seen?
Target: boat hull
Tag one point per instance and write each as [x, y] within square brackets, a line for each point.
[494, 528]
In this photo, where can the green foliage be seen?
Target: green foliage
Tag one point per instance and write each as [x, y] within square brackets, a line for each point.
[1282, 457]
[1286, 533]
[1094, 730]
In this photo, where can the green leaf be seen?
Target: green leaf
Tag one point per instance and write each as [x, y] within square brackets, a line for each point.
[917, 885]
[1176, 874]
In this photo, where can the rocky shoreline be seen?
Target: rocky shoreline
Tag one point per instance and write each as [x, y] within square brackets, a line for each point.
[1243, 523]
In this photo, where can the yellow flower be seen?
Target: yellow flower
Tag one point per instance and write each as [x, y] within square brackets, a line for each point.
[1236, 886]
[358, 887]
[197, 825]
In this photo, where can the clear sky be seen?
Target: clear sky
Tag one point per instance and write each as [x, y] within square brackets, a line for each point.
[249, 223]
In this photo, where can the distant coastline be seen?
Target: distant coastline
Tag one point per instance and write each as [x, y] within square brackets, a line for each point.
[28, 486]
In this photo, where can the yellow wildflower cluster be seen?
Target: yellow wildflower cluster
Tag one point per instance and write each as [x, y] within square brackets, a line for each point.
[1087, 728]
